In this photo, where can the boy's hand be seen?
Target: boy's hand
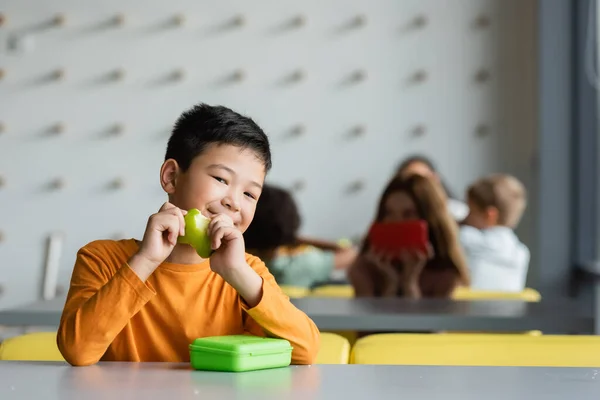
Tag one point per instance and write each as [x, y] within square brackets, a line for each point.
[160, 238]
[229, 259]
[228, 244]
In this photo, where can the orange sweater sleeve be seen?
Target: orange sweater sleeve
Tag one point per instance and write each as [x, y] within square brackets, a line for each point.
[276, 316]
[99, 304]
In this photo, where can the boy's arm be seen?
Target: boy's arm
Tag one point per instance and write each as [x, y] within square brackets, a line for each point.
[277, 317]
[98, 306]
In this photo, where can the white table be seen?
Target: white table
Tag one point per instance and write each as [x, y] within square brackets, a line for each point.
[49, 381]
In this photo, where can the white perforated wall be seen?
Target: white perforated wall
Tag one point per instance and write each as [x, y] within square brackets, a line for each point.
[345, 89]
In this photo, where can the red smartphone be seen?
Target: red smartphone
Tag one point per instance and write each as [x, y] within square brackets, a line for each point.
[393, 237]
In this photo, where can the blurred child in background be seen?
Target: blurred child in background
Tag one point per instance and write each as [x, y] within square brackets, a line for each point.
[294, 261]
[421, 165]
[413, 273]
[496, 258]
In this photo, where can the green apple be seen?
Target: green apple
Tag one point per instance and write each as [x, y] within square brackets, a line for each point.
[196, 232]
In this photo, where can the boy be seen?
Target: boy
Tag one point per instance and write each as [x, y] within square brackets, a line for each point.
[273, 236]
[496, 258]
[148, 300]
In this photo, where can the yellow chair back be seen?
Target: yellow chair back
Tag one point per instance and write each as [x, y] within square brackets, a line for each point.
[38, 346]
[464, 293]
[530, 333]
[295, 291]
[335, 349]
[478, 350]
[333, 291]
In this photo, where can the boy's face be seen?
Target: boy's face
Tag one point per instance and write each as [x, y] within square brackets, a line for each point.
[224, 179]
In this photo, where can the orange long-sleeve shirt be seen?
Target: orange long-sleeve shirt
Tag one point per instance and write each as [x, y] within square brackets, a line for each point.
[111, 315]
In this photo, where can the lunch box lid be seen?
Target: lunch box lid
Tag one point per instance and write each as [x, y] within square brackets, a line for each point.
[240, 345]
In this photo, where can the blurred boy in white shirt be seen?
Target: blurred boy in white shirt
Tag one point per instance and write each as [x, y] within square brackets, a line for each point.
[496, 257]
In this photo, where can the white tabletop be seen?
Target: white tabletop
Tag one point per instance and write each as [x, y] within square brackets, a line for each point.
[49, 381]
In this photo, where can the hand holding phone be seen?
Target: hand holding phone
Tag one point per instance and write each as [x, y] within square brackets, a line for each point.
[413, 261]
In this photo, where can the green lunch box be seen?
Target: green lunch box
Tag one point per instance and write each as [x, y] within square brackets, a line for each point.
[237, 353]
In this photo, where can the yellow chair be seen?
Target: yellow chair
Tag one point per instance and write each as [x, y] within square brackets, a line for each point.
[335, 349]
[38, 346]
[530, 333]
[464, 293]
[295, 291]
[333, 291]
[478, 350]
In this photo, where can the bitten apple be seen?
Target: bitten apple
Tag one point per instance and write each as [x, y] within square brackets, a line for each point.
[196, 233]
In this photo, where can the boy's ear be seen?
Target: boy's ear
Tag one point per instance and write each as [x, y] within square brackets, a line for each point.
[169, 173]
[492, 215]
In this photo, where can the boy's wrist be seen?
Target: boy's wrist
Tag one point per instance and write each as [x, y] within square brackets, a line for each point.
[141, 266]
[246, 282]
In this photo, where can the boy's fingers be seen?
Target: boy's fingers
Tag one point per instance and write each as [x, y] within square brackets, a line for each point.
[216, 238]
[166, 206]
[174, 210]
[166, 222]
[178, 213]
[213, 223]
[170, 226]
[224, 231]
[172, 238]
[181, 220]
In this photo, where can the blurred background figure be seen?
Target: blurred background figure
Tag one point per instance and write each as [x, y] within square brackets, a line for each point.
[293, 261]
[496, 257]
[413, 273]
[421, 165]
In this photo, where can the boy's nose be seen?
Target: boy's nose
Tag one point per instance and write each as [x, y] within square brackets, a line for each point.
[230, 203]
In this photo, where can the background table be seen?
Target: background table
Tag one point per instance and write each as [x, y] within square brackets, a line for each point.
[393, 314]
[49, 381]
[390, 315]
[39, 313]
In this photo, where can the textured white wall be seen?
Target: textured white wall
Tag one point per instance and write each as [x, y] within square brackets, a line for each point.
[86, 126]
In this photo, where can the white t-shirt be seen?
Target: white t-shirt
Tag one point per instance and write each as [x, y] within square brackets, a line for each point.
[496, 258]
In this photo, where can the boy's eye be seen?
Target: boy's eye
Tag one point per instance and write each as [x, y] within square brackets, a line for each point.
[220, 179]
[250, 195]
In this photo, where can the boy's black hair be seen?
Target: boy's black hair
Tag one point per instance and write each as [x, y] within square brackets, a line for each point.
[276, 220]
[203, 125]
